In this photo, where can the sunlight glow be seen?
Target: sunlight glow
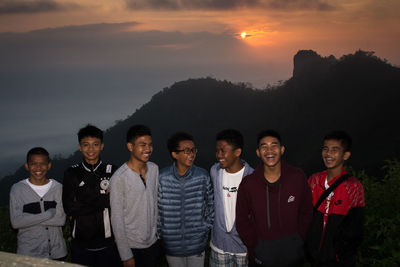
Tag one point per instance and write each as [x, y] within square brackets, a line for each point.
[243, 35]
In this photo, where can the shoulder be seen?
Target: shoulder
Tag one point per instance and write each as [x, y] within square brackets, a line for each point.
[18, 186]
[152, 166]
[73, 169]
[215, 167]
[353, 184]
[120, 171]
[166, 171]
[200, 173]
[315, 178]
[249, 180]
[55, 183]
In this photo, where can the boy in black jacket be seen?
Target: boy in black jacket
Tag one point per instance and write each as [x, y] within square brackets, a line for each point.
[86, 201]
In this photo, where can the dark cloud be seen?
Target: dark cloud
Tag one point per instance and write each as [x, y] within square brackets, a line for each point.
[36, 6]
[229, 4]
[300, 5]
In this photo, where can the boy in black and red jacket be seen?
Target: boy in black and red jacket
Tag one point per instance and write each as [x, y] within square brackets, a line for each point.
[336, 229]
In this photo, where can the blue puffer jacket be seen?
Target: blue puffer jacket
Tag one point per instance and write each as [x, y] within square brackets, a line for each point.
[186, 210]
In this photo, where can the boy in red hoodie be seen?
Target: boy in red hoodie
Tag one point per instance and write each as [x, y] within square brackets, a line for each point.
[274, 207]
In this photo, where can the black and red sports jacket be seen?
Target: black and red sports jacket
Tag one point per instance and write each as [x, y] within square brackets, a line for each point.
[336, 229]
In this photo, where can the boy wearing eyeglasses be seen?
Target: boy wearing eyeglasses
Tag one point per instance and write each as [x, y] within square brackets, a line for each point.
[336, 229]
[185, 205]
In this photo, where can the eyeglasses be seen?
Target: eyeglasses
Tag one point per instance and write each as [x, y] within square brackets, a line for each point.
[187, 150]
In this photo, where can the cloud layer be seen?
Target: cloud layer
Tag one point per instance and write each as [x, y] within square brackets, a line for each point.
[35, 6]
[229, 4]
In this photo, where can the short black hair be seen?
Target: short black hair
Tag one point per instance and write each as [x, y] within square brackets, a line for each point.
[136, 131]
[232, 137]
[175, 139]
[90, 131]
[37, 151]
[266, 133]
[342, 136]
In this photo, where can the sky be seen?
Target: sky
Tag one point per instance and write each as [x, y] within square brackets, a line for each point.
[66, 63]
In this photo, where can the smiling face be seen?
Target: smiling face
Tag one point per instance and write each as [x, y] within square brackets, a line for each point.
[91, 148]
[38, 166]
[227, 155]
[184, 161]
[141, 149]
[334, 155]
[270, 151]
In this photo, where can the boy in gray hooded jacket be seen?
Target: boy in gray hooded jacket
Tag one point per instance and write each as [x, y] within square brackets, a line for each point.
[36, 210]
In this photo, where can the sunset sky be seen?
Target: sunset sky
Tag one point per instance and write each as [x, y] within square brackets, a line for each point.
[64, 63]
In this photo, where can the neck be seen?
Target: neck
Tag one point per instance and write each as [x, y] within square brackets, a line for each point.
[272, 174]
[237, 166]
[334, 172]
[92, 162]
[39, 182]
[182, 169]
[139, 167]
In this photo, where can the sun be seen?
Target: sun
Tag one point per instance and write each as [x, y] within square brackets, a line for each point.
[243, 35]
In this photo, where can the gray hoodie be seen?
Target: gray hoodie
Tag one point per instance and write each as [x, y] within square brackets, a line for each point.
[39, 220]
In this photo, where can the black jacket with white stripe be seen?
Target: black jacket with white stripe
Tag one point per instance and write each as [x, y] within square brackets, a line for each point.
[86, 201]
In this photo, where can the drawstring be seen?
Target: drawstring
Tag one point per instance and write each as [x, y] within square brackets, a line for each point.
[279, 205]
[268, 219]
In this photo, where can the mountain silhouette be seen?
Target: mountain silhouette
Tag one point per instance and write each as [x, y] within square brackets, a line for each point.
[357, 93]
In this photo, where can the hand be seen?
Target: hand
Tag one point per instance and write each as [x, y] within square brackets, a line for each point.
[52, 211]
[247, 258]
[129, 263]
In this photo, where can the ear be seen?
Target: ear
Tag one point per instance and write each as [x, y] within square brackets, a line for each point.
[174, 155]
[282, 150]
[258, 153]
[26, 166]
[346, 155]
[79, 147]
[49, 166]
[129, 145]
[237, 152]
[102, 146]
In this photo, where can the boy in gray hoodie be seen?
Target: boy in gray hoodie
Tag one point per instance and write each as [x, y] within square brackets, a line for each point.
[36, 210]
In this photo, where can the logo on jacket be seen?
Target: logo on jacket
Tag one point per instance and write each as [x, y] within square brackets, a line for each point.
[290, 199]
[338, 202]
[105, 183]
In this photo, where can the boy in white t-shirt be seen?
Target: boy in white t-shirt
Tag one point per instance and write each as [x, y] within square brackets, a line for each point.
[36, 210]
[226, 247]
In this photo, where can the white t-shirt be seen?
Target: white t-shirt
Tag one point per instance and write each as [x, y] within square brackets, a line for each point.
[41, 190]
[230, 186]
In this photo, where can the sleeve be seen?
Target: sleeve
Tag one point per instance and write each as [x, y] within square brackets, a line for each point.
[20, 219]
[350, 232]
[59, 218]
[209, 202]
[77, 203]
[306, 209]
[245, 225]
[117, 195]
[160, 208]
